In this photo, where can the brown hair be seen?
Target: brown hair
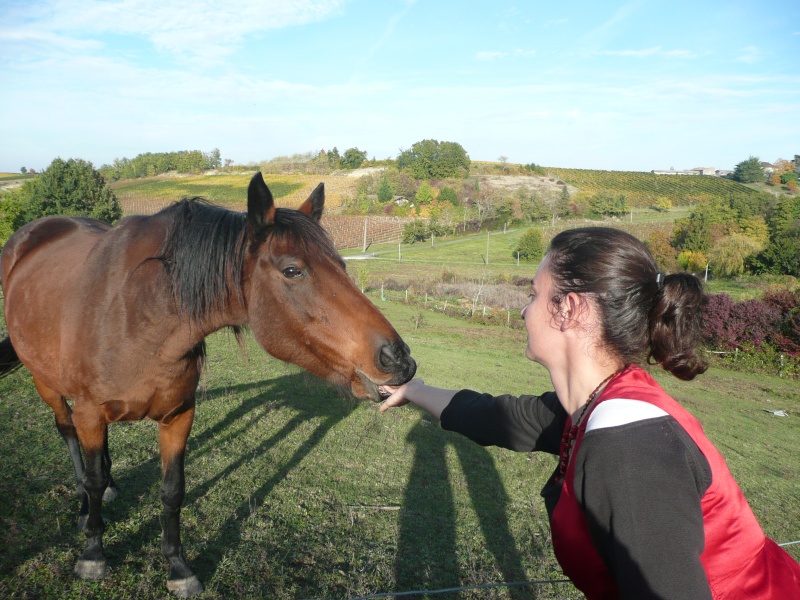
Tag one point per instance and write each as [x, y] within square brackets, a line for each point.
[644, 311]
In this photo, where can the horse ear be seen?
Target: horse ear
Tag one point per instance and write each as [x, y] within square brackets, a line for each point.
[260, 205]
[314, 203]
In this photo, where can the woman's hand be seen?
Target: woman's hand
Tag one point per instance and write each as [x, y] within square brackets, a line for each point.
[398, 396]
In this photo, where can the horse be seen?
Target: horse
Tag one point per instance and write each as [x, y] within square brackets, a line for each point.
[115, 320]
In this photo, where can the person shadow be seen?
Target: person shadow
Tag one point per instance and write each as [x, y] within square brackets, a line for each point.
[427, 551]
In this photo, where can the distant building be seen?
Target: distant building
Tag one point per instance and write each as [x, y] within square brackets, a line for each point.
[708, 171]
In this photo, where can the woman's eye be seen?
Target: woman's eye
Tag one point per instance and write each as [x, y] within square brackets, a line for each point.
[291, 272]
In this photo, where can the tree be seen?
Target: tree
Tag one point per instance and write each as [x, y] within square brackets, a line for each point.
[353, 158]
[708, 222]
[749, 171]
[430, 159]
[729, 254]
[385, 190]
[71, 187]
[530, 246]
[23, 170]
[448, 194]
[608, 205]
[334, 160]
[664, 254]
[425, 194]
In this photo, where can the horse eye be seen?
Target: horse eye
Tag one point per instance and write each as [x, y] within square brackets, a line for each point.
[291, 272]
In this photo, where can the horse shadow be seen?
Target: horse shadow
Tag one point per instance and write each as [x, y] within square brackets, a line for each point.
[427, 552]
[138, 505]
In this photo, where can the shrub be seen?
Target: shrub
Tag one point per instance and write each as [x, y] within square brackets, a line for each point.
[530, 246]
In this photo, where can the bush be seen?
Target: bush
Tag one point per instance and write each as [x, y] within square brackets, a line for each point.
[530, 246]
[416, 231]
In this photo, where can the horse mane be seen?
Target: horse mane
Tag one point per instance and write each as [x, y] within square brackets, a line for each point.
[204, 249]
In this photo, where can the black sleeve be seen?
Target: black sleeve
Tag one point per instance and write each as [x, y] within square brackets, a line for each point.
[640, 486]
[523, 423]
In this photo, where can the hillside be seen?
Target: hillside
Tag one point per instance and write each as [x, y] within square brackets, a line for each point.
[642, 189]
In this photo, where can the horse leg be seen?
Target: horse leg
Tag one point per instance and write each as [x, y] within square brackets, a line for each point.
[111, 492]
[92, 433]
[63, 414]
[172, 440]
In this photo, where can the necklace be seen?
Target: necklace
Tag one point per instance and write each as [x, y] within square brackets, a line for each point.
[569, 436]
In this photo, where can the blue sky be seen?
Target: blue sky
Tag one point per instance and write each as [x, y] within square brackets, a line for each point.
[636, 85]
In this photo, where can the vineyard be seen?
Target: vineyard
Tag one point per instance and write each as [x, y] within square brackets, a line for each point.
[148, 196]
[643, 189]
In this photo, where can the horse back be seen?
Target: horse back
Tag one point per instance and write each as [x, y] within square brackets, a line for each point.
[73, 288]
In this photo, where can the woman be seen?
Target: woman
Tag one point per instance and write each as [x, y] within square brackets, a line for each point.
[641, 504]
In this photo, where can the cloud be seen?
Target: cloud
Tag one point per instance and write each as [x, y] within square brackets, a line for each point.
[183, 28]
[653, 51]
[750, 55]
[497, 54]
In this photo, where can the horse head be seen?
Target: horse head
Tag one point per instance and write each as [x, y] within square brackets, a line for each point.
[303, 307]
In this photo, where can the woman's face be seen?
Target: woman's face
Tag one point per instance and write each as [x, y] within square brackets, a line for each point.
[539, 320]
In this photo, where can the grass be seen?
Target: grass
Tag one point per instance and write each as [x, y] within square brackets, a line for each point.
[297, 491]
[145, 195]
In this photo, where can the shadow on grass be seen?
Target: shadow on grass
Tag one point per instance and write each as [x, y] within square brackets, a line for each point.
[427, 545]
[426, 549]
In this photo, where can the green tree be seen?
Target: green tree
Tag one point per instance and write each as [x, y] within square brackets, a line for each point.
[665, 255]
[385, 190]
[23, 170]
[608, 205]
[416, 231]
[729, 254]
[662, 204]
[425, 194]
[448, 194]
[708, 222]
[334, 159]
[353, 158]
[430, 159]
[530, 246]
[71, 187]
[749, 171]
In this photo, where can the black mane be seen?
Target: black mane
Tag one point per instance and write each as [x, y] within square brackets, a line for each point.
[204, 249]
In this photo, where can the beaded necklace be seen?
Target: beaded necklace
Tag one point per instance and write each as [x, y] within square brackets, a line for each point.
[569, 436]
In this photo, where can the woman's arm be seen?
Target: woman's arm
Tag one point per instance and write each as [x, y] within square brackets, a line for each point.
[427, 397]
[523, 424]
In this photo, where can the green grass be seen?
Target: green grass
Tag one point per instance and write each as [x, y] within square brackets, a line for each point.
[297, 491]
[227, 190]
[642, 189]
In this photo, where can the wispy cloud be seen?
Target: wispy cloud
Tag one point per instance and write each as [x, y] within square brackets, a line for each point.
[646, 52]
[497, 54]
[750, 55]
[182, 28]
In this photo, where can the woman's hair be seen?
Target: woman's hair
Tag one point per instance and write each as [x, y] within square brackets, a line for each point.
[643, 311]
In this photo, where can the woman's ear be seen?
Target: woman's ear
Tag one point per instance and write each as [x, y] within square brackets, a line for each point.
[571, 310]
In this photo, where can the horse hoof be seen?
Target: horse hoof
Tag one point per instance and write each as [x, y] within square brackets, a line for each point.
[110, 494]
[91, 569]
[185, 588]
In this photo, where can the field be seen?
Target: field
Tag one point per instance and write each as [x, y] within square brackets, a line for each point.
[146, 196]
[296, 491]
[642, 189]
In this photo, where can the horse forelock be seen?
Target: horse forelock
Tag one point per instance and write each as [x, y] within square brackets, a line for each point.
[204, 249]
[304, 231]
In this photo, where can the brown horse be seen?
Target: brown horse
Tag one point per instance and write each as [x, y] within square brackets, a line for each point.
[114, 318]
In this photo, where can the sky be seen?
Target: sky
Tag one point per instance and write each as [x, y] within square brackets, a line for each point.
[636, 85]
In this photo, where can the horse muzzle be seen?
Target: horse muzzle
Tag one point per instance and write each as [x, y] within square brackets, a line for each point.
[394, 360]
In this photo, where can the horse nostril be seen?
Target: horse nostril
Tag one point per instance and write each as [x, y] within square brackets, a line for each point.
[396, 358]
[387, 356]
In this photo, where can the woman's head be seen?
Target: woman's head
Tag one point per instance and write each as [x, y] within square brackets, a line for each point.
[642, 311]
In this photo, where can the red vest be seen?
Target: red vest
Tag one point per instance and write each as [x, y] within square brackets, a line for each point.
[739, 560]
